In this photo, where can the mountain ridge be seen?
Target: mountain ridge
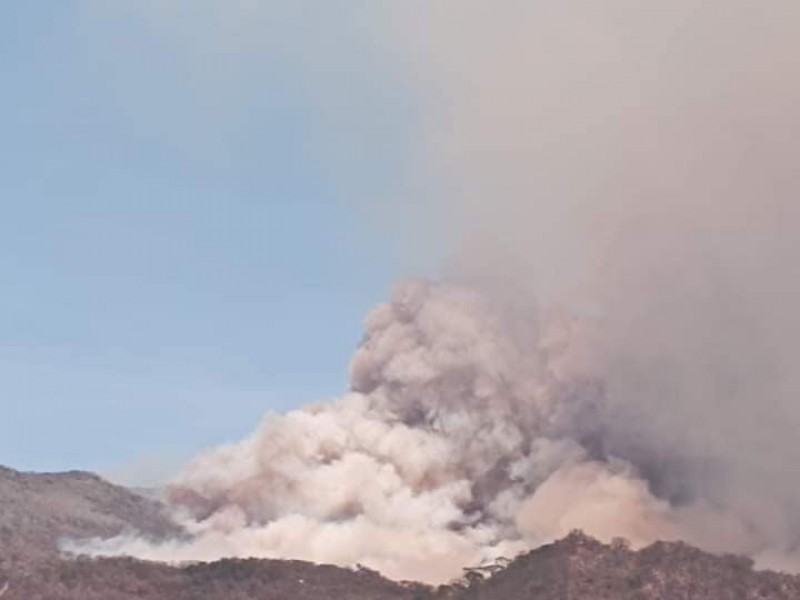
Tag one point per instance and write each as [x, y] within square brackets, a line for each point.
[39, 509]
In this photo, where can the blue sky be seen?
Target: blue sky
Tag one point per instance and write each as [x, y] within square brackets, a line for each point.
[189, 236]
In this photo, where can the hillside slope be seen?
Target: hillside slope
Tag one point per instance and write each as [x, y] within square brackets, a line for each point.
[581, 568]
[575, 568]
[39, 509]
[129, 579]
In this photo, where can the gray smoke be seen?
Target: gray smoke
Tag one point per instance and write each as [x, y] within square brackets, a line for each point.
[616, 348]
[461, 438]
[639, 162]
[473, 430]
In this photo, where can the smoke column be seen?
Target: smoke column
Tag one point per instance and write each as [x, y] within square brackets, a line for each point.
[470, 433]
[639, 163]
[614, 349]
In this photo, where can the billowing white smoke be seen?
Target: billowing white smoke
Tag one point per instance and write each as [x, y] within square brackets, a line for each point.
[636, 159]
[472, 431]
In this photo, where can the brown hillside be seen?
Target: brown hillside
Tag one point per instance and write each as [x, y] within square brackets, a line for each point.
[581, 568]
[39, 509]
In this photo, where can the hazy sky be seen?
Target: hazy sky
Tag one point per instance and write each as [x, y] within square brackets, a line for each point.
[202, 200]
[186, 239]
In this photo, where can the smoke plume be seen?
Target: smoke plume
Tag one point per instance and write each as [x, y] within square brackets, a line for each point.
[470, 433]
[615, 348]
[638, 162]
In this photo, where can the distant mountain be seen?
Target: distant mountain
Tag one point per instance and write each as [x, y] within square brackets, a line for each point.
[36, 510]
[39, 509]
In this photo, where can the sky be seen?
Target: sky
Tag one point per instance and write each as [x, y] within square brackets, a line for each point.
[189, 236]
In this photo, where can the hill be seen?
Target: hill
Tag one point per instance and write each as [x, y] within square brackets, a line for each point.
[581, 568]
[39, 509]
[250, 579]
